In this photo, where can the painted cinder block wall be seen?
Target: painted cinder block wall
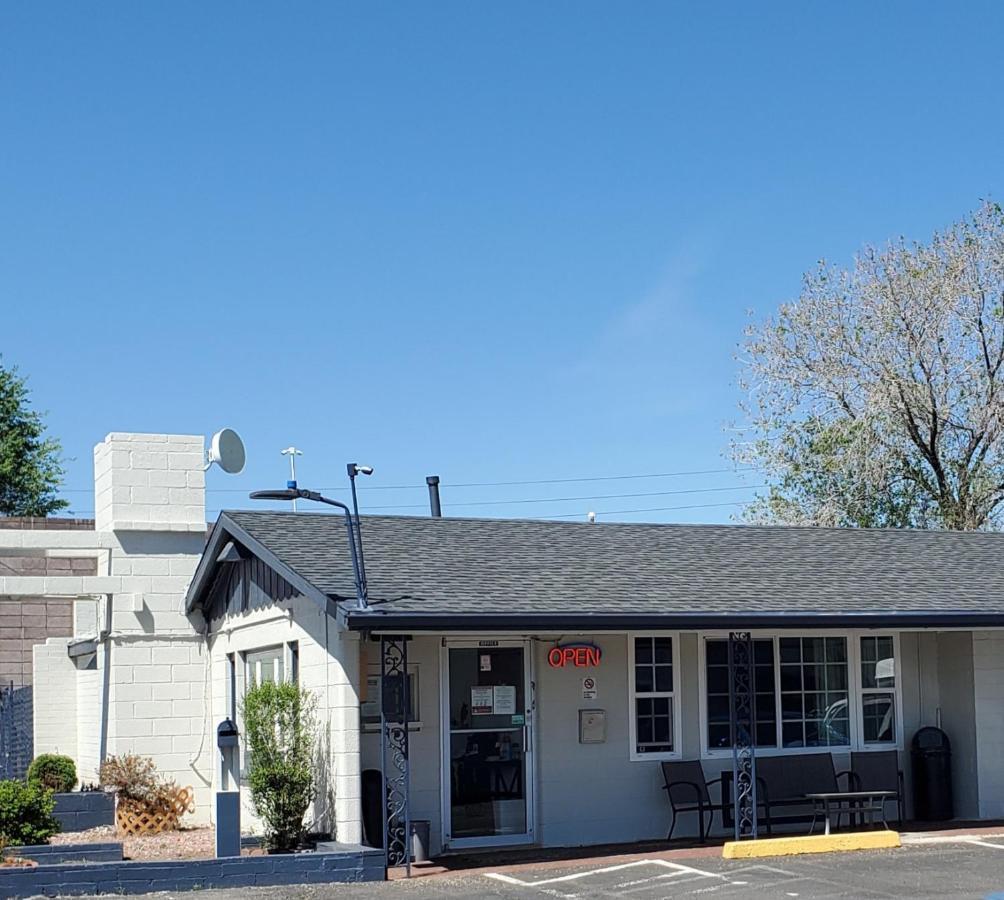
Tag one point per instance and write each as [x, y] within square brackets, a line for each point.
[328, 660]
[146, 688]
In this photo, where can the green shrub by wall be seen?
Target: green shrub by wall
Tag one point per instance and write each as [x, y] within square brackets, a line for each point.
[53, 772]
[26, 813]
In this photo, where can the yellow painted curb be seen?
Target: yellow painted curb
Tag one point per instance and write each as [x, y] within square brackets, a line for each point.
[813, 843]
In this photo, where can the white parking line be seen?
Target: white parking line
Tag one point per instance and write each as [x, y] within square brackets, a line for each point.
[575, 876]
[979, 843]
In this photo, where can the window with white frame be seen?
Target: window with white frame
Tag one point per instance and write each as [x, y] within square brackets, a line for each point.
[808, 693]
[268, 665]
[652, 696]
[878, 689]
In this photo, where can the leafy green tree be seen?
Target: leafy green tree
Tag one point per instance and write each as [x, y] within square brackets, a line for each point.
[877, 397]
[31, 464]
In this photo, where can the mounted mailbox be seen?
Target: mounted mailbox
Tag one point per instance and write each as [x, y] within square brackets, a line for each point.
[226, 735]
[592, 726]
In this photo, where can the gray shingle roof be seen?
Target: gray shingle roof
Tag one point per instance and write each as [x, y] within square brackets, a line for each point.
[495, 567]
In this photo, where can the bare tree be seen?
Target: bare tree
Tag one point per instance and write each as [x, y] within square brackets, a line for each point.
[877, 397]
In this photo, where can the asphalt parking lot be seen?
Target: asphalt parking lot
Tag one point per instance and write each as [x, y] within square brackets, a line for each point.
[965, 868]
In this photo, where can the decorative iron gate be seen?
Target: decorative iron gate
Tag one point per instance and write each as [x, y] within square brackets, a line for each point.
[394, 764]
[16, 731]
[742, 721]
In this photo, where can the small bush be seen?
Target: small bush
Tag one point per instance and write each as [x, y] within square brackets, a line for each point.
[131, 776]
[53, 772]
[279, 725]
[26, 813]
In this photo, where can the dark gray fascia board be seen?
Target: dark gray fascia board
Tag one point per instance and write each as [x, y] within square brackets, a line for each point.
[226, 528]
[418, 621]
[207, 565]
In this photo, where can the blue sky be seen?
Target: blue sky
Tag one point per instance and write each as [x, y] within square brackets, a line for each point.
[497, 242]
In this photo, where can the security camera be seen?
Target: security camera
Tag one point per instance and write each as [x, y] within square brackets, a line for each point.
[364, 470]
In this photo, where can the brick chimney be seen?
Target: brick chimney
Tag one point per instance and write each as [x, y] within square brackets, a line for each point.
[150, 482]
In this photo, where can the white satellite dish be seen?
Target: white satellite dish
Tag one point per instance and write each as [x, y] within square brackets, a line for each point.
[226, 449]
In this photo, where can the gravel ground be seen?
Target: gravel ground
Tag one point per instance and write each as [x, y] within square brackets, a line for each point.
[187, 843]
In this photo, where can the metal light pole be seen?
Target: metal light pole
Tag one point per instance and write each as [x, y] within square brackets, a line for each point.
[355, 469]
[356, 554]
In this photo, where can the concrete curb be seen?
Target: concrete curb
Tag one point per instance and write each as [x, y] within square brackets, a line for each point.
[813, 843]
[349, 863]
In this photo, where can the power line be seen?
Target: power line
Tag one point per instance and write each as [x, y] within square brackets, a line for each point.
[597, 478]
[737, 487]
[475, 503]
[470, 484]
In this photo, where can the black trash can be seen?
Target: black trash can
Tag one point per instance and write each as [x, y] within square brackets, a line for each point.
[931, 755]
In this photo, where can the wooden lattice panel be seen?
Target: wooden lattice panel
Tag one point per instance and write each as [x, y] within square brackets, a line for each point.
[135, 818]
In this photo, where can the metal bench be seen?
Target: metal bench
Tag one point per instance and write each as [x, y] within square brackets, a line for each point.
[783, 783]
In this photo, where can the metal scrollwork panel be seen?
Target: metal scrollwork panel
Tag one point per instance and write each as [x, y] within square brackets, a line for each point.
[394, 749]
[742, 720]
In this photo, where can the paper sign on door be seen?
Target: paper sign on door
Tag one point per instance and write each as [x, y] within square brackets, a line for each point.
[482, 701]
[505, 700]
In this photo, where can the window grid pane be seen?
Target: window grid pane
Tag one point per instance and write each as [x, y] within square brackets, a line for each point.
[878, 682]
[653, 688]
[814, 692]
[765, 707]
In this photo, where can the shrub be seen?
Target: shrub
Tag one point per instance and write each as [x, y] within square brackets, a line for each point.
[131, 776]
[53, 772]
[280, 726]
[26, 813]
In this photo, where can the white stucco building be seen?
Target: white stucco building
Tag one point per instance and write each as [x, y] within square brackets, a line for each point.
[860, 637]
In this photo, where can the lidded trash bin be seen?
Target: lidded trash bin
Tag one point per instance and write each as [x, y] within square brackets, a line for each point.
[931, 755]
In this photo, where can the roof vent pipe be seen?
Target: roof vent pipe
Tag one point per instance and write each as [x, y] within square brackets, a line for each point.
[434, 507]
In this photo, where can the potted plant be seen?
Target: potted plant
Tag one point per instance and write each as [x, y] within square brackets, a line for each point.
[145, 802]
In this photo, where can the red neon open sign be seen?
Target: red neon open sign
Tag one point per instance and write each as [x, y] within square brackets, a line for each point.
[582, 656]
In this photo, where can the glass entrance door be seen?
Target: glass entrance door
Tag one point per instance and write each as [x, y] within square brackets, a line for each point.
[488, 778]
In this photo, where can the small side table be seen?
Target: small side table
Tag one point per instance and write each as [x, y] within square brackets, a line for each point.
[859, 804]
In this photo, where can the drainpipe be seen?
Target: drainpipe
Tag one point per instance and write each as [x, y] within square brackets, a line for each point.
[434, 507]
[104, 639]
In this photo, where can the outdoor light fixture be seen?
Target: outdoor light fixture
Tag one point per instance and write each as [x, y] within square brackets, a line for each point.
[356, 553]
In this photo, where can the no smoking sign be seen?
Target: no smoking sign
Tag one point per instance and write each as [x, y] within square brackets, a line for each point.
[589, 687]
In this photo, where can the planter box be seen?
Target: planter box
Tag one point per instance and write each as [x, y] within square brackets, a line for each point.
[84, 809]
[53, 854]
[342, 863]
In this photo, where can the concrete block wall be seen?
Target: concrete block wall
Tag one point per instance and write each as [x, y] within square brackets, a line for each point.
[144, 691]
[157, 708]
[26, 622]
[89, 718]
[150, 482]
[55, 699]
[329, 666]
